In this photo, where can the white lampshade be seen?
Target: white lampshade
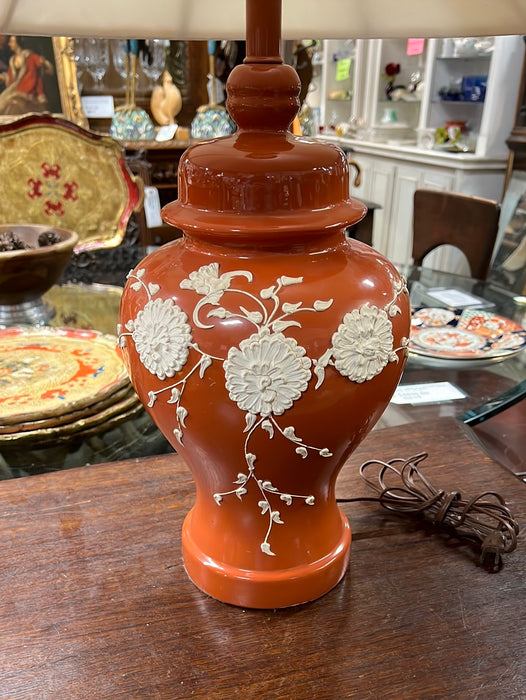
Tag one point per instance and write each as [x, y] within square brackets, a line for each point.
[213, 19]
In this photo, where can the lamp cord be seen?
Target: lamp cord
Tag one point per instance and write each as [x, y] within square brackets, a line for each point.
[484, 519]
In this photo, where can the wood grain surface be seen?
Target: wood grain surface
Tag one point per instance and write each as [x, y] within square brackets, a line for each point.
[95, 602]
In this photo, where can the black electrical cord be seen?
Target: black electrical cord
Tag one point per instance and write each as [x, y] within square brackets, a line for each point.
[484, 519]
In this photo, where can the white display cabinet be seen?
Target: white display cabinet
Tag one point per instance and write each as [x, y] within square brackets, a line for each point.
[393, 104]
[338, 82]
[396, 157]
[451, 68]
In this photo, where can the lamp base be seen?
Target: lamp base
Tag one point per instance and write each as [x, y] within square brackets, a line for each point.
[279, 588]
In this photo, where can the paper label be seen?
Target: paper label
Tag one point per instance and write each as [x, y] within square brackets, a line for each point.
[152, 207]
[166, 133]
[455, 298]
[415, 47]
[426, 392]
[343, 68]
[98, 106]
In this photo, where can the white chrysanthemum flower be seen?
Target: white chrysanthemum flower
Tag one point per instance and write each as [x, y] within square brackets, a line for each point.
[267, 373]
[162, 337]
[363, 343]
[207, 282]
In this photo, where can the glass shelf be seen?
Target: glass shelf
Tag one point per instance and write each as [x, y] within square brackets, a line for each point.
[478, 57]
[457, 102]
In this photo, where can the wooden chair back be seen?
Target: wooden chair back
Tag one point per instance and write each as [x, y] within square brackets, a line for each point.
[56, 173]
[469, 223]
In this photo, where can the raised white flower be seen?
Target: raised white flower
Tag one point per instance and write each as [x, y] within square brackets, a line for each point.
[162, 337]
[267, 373]
[363, 343]
[207, 282]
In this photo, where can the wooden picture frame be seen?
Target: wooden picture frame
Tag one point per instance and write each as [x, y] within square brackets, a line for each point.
[51, 78]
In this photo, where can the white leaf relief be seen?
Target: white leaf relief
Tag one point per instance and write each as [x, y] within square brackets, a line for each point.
[291, 308]
[289, 433]
[264, 505]
[205, 363]
[287, 498]
[265, 548]
[319, 371]
[153, 288]
[280, 326]
[323, 305]
[241, 478]
[301, 451]
[276, 518]
[325, 453]
[250, 419]
[179, 435]
[240, 492]
[254, 316]
[287, 281]
[220, 312]
[181, 415]
[151, 398]
[174, 396]
[218, 498]
[267, 293]
[267, 425]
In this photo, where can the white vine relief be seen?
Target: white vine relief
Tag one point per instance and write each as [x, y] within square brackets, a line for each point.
[267, 372]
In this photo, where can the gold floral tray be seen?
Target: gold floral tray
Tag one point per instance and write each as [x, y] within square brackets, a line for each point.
[106, 419]
[71, 417]
[85, 306]
[46, 372]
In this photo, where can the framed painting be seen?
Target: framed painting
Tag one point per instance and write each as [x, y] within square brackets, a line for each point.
[38, 74]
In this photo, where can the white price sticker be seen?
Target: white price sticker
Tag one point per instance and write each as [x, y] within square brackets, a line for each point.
[427, 392]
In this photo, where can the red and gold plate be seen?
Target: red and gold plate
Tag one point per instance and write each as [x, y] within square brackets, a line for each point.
[469, 337]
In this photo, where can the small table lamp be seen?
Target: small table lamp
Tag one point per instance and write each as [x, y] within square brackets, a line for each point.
[264, 343]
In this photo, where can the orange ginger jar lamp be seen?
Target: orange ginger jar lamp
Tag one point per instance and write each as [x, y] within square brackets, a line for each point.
[264, 343]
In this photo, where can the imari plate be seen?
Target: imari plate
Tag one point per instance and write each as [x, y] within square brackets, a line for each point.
[468, 337]
[48, 371]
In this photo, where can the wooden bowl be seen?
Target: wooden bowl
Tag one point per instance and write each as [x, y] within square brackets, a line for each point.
[27, 274]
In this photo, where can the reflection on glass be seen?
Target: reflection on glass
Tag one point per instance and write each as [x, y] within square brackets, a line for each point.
[119, 58]
[153, 60]
[97, 56]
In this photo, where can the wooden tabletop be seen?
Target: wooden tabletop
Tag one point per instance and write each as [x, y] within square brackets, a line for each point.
[95, 602]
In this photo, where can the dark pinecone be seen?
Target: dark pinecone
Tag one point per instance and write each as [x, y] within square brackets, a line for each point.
[10, 241]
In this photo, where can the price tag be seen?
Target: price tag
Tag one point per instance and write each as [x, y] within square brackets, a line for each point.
[343, 68]
[426, 392]
[152, 207]
[415, 47]
[166, 133]
[455, 298]
[98, 106]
